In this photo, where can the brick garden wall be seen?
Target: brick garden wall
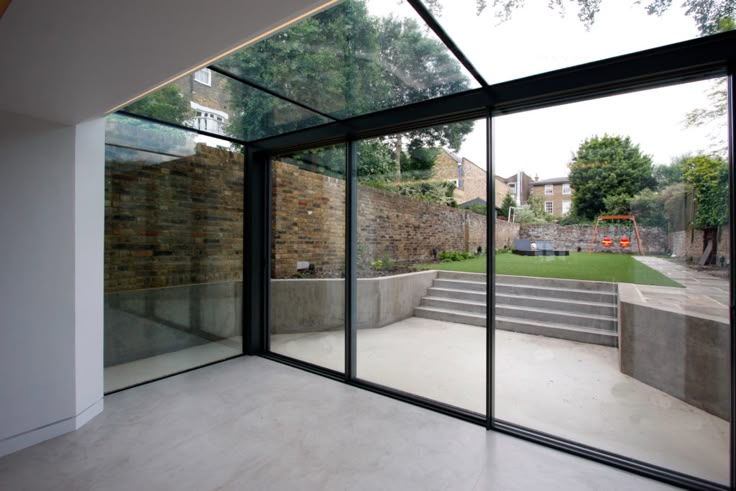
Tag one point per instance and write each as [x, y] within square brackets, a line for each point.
[176, 223]
[570, 237]
[181, 222]
[308, 224]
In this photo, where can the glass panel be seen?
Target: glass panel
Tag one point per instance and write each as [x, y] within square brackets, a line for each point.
[173, 251]
[354, 58]
[308, 256]
[511, 39]
[421, 327]
[223, 106]
[612, 316]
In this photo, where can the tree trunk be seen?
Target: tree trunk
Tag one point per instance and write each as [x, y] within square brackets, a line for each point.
[398, 158]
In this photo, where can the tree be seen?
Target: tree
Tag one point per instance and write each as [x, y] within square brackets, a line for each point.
[667, 175]
[708, 177]
[346, 62]
[507, 203]
[710, 16]
[607, 166]
[167, 104]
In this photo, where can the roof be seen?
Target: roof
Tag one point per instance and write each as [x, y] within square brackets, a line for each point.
[553, 180]
[474, 201]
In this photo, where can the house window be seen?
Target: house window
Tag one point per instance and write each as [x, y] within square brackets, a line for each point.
[207, 119]
[566, 206]
[566, 189]
[548, 206]
[548, 189]
[203, 76]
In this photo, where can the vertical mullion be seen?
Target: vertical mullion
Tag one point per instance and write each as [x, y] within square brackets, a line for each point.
[732, 251]
[256, 217]
[351, 282]
[490, 269]
[266, 263]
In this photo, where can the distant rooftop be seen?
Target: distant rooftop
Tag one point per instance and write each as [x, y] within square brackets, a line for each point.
[553, 180]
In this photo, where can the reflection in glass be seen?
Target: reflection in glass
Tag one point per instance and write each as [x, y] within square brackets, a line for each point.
[421, 329]
[612, 325]
[308, 256]
[208, 101]
[510, 39]
[353, 58]
[173, 251]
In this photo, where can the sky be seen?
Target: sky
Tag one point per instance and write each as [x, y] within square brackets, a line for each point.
[538, 39]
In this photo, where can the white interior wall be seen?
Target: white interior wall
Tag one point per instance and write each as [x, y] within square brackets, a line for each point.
[37, 386]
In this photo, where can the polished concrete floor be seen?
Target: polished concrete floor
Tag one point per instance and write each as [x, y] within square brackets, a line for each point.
[253, 424]
[573, 390]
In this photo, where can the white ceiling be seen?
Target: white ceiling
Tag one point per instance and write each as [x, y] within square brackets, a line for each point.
[70, 61]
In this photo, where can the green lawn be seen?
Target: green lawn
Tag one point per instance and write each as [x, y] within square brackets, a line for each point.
[620, 268]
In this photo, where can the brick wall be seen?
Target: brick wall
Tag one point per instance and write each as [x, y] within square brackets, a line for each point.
[176, 223]
[694, 243]
[570, 237]
[308, 224]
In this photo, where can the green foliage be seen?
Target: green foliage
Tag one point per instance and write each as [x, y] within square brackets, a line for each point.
[708, 177]
[666, 175]
[345, 61]
[452, 256]
[572, 219]
[382, 263]
[477, 208]
[166, 104]
[604, 167]
[648, 208]
[418, 163]
[432, 192]
[376, 161]
[617, 204]
[677, 202]
[710, 16]
[508, 202]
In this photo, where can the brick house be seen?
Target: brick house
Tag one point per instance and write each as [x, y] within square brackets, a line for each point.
[556, 193]
[209, 99]
[469, 178]
[519, 186]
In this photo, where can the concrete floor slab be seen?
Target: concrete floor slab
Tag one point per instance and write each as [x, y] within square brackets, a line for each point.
[573, 390]
[250, 423]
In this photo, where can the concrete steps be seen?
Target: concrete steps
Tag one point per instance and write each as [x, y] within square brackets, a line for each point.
[583, 311]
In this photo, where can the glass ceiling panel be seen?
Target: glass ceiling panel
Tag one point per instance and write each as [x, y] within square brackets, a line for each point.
[212, 102]
[509, 39]
[354, 58]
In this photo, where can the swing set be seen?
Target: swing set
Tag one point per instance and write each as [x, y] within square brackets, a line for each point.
[619, 227]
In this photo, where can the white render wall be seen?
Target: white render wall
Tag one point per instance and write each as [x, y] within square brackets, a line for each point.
[51, 242]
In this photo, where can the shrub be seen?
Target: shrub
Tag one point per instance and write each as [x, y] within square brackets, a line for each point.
[451, 256]
[383, 263]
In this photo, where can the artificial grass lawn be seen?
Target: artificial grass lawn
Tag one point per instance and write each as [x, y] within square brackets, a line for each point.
[618, 268]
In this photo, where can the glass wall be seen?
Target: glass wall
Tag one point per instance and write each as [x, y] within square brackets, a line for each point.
[308, 256]
[173, 251]
[612, 320]
[421, 209]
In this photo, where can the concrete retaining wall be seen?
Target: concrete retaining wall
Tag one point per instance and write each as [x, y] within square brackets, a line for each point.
[144, 323]
[318, 305]
[683, 355]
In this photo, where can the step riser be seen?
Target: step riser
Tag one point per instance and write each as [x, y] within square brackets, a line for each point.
[560, 294]
[532, 281]
[557, 318]
[521, 327]
[581, 337]
[458, 295]
[455, 285]
[449, 304]
[543, 303]
[450, 317]
[508, 311]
